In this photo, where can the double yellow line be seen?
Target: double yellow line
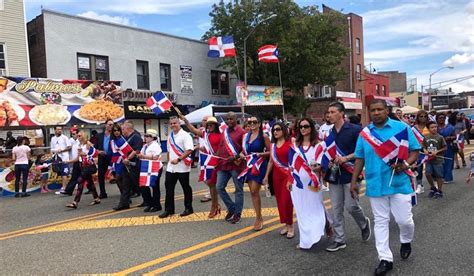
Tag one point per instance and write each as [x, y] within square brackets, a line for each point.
[208, 243]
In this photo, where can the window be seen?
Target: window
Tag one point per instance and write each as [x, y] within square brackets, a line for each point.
[1, 5]
[326, 91]
[92, 67]
[358, 75]
[165, 77]
[3, 63]
[377, 89]
[383, 90]
[358, 46]
[143, 81]
[219, 83]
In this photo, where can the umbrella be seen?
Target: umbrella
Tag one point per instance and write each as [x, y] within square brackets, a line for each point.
[409, 109]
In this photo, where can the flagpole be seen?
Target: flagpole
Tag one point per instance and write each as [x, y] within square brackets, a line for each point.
[281, 87]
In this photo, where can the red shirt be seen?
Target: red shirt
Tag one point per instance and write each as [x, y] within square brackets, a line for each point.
[214, 140]
[236, 136]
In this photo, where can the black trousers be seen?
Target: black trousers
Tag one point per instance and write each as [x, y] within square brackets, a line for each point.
[148, 198]
[76, 172]
[170, 184]
[102, 166]
[125, 183]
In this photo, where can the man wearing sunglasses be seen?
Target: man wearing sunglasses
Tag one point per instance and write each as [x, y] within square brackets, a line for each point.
[105, 154]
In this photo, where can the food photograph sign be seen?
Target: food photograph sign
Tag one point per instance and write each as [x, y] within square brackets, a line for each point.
[50, 102]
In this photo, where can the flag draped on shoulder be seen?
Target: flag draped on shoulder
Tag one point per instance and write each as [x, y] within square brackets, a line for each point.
[208, 164]
[221, 46]
[178, 150]
[253, 161]
[89, 157]
[229, 145]
[149, 170]
[422, 158]
[299, 167]
[159, 103]
[268, 53]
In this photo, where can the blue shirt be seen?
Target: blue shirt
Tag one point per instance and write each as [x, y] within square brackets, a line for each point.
[377, 172]
[346, 141]
[106, 143]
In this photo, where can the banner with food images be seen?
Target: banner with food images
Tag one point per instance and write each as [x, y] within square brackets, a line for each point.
[50, 102]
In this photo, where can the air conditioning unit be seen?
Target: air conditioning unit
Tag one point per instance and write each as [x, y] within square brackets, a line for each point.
[215, 91]
[3, 72]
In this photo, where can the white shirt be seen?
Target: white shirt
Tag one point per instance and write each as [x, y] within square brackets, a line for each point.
[324, 131]
[60, 143]
[184, 140]
[153, 149]
[21, 154]
[74, 148]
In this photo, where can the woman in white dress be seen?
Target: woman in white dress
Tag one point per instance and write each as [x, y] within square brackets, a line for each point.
[308, 203]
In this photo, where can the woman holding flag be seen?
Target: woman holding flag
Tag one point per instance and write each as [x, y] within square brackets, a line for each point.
[86, 156]
[151, 153]
[281, 144]
[420, 130]
[212, 138]
[255, 150]
[307, 200]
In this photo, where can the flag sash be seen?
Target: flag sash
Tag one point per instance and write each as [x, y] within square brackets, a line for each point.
[418, 135]
[296, 166]
[276, 160]
[208, 143]
[229, 145]
[178, 150]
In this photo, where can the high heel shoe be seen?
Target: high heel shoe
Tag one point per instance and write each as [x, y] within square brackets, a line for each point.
[215, 213]
[72, 205]
[258, 226]
[95, 202]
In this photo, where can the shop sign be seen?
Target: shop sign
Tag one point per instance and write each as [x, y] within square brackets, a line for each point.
[186, 79]
[260, 95]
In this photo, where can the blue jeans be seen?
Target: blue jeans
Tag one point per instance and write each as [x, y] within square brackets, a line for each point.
[222, 180]
[21, 170]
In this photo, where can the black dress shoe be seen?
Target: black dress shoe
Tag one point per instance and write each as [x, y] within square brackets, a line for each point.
[119, 208]
[17, 195]
[102, 196]
[166, 214]
[405, 250]
[142, 204]
[186, 212]
[135, 195]
[147, 209]
[384, 267]
[25, 195]
[155, 209]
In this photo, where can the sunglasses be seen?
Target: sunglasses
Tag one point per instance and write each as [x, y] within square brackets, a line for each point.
[116, 130]
[229, 119]
[305, 126]
[253, 122]
[276, 129]
[147, 135]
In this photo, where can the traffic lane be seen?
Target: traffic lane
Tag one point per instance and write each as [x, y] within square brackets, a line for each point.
[442, 245]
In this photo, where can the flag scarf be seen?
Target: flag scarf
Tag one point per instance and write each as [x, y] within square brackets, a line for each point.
[221, 46]
[422, 158]
[276, 160]
[418, 135]
[88, 159]
[208, 145]
[121, 146]
[149, 170]
[253, 161]
[298, 164]
[268, 53]
[229, 145]
[159, 103]
[208, 164]
[116, 160]
[178, 150]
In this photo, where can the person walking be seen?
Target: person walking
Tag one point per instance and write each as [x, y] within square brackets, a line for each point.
[434, 146]
[21, 154]
[180, 145]
[308, 203]
[256, 143]
[230, 167]
[278, 165]
[420, 130]
[447, 131]
[105, 154]
[151, 150]
[76, 166]
[209, 140]
[467, 134]
[388, 184]
[460, 130]
[60, 145]
[339, 174]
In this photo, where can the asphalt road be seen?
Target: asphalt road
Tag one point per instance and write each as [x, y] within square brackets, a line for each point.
[38, 235]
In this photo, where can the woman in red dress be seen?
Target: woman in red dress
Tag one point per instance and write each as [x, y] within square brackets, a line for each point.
[278, 164]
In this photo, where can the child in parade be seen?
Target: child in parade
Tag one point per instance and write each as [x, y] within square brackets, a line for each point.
[434, 146]
[43, 163]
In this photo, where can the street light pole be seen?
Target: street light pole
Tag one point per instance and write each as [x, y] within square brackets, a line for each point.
[431, 75]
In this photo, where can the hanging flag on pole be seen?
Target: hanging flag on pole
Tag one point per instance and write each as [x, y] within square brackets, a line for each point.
[221, 46]
[159, 103]
[268, 53]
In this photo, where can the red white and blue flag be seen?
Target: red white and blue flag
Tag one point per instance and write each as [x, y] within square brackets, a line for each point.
[122, 146]
[253, 161]
[221, 46]
[208, 164]
[268, 53]
[149, 170]
[299, 168]
[159, 103]
[229, 145]
[88, 159]
[222, 125]
[178, 150]
[418, 135]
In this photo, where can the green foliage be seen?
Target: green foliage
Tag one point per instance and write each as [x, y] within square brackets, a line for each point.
[308, 43]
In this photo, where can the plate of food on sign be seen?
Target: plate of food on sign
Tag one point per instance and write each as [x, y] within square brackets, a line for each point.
[10, 114]
[50, 112]
[98, 111]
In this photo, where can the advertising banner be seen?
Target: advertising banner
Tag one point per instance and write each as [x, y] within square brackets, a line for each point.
[260, 95]
[41, 102]
[186, 79]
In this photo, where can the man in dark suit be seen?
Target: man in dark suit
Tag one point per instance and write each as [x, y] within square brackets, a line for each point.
[103, 146]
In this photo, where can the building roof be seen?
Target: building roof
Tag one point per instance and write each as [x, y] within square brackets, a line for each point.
[45, 11]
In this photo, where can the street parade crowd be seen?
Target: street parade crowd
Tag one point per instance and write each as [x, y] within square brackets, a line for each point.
[296, 164]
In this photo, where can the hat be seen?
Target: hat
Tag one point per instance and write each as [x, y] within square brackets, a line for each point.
[73, 129]
[211, 120]
[152, 132]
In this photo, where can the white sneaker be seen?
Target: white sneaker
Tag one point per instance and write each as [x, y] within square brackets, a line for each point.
[59, 191]
[325, 188]
[420, 189]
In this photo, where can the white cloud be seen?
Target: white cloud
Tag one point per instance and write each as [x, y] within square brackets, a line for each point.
[204, 26]
[458, 59]
[154, 6]
[107, 18]
[447, 76]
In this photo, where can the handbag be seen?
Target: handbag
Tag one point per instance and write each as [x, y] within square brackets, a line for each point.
[89, 169]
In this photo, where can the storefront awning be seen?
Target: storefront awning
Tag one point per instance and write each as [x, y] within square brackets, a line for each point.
[391, 101]
[351, 103]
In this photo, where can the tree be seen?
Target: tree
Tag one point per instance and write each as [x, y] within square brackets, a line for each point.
[308, 42]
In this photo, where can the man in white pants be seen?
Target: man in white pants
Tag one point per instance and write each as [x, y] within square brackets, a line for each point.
[387, 186]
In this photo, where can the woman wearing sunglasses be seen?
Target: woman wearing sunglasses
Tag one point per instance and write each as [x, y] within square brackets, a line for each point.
[257, 144]
[308, 203]
[116, 160]
[420, 130]
[280, 147]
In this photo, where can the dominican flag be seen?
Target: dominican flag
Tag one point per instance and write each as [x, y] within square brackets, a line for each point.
[208, 164]
[149, 170]
[268, 53]
[326, 151]
[122, 146]
[89, 157]
[253, 165]
[300, 169]
[222, 125]
[159, 103]
[418, 135]
[221, 46]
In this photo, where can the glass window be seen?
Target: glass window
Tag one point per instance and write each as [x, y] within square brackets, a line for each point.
[377, 89]
[165, 77]
[2, 57]
[92, 67]
[220, 83]
[142, 75]
[358, 46]
[358, 75]
[383, 90]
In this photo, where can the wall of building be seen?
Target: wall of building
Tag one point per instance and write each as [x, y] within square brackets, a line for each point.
[398, 80]
[13, 37]
[372, 81]
[65, 36]
[411, 99]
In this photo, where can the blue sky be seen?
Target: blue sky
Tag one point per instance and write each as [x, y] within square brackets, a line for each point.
[413, 36]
